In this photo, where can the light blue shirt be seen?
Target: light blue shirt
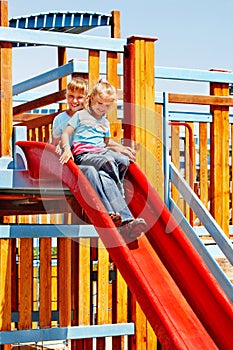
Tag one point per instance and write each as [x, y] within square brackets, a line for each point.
[59, 124]
[88, 129]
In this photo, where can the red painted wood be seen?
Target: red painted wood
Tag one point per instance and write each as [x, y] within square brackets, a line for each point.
[145, 266]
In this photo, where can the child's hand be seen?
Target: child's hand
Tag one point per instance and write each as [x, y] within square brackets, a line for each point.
[66, 155]
[58, 149]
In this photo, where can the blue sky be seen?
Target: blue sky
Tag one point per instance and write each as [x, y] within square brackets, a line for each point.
[191, 34]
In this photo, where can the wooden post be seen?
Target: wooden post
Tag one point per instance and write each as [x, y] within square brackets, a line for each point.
[142, 57]
[6, 117]
[62, 81]
[219, 159]
[5, 150]
[116, 33]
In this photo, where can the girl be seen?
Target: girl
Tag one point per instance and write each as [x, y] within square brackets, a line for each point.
[91, 134]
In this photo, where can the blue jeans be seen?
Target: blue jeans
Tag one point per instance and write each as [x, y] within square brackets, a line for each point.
[108, 192]
[113, 163]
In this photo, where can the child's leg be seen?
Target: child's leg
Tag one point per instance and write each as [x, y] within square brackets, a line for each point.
[122, 163]
[102, 161]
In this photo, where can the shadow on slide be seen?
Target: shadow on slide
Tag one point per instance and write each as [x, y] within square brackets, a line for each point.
[181, 299]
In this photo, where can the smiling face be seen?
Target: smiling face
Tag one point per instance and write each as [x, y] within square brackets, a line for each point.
[102, 98]
[101, 105]
[75, 100]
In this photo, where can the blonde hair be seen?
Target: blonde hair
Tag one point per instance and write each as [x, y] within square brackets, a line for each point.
[104, 90]
[79, 84]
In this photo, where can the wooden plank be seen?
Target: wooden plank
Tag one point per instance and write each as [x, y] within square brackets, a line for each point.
[25, 281]
[139, 103]
[115, 125]
[129, 95]
[159, 175]
[84, 290]
[217, 100]
[150, 118]
[5, 87]
[102, 290]
[39, 102]
[64, 281]
[203, 159]
[119, 307]
[116, 33]
[94, 69]
[219, 157]
[175, 157]
[45, 283]
[5, 284]
[62, 83]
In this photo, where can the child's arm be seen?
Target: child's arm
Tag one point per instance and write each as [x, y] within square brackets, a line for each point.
[117, 147]
[65, 145]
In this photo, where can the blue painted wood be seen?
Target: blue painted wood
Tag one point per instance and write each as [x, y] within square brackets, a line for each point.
[202, 250]
[63, 333]
[43, 79]
[193, 75]
[74, 41]
[202, 213]
[47, 231]
[15, 316]
[190, 117]
[71, 21]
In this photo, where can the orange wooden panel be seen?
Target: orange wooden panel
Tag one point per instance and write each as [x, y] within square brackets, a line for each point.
[5, 284]
[5, 87]
[203, 159]
[103, 276]
[218, 100]
[84, 282]
[45, 282]
[25, 282]
[219, 167]
[94, 69]
[64, 281]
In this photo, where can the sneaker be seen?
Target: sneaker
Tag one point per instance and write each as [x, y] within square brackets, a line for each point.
[133, 229]
[116, 218]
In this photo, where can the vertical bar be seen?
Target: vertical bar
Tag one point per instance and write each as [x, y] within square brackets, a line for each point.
[64, 279]
[116, 33]
[93, 67]
[166, 149]
[6, 117]
[25, 282]
[102, 291]
[219, 158]
[115, 124]
[129, 95]
[45, 282]
[62, 58]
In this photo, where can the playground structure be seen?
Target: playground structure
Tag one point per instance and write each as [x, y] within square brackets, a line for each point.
[121, 308]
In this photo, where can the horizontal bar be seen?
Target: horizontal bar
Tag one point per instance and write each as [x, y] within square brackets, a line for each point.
[190, 117]
[193, 75]
[42, 79]
[15, 316]
[47, 231]
[63, 333]
[75, 41]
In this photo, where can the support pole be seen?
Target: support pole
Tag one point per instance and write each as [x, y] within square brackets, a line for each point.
[6, 117]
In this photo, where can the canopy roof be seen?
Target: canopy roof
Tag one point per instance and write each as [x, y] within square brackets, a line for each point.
[62, 21]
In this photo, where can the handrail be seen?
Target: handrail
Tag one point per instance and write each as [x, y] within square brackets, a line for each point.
[202, 213]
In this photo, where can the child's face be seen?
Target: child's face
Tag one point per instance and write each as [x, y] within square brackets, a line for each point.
[75, 101]
[101, 106]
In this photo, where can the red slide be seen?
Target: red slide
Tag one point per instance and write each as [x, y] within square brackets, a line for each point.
[179, 296]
